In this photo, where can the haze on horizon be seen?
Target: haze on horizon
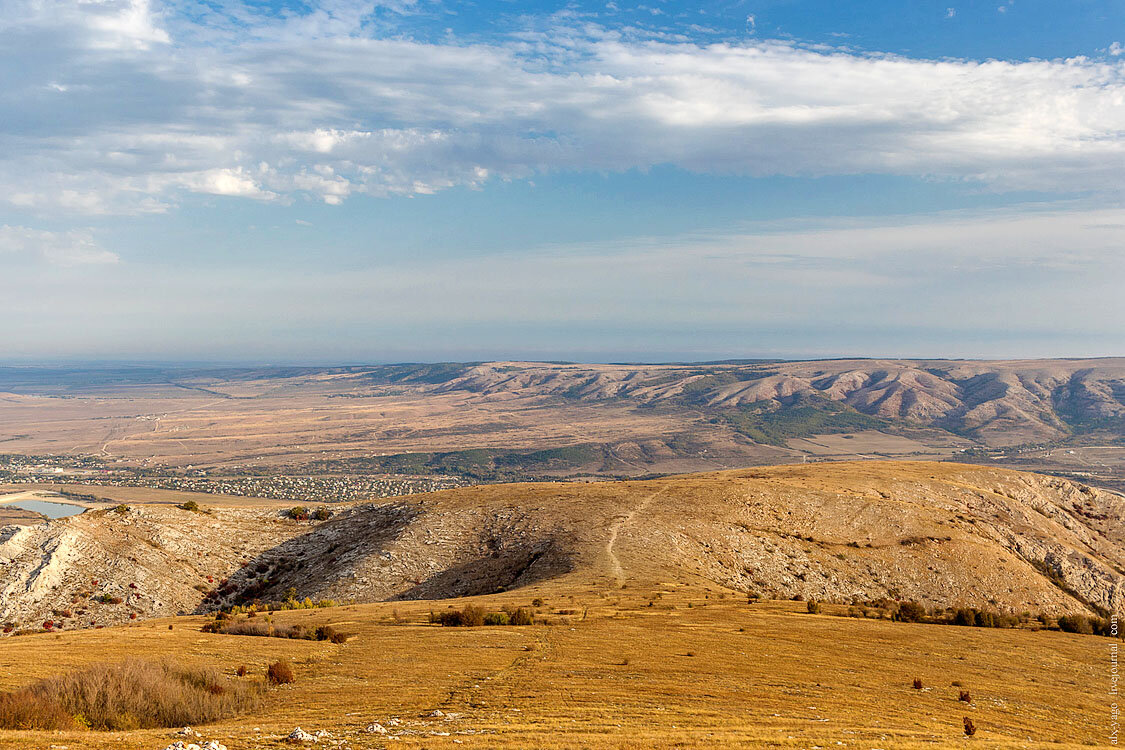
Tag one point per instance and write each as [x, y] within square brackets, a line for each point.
[405, 180]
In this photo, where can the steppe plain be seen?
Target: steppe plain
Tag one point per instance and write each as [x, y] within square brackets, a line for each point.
[647, 631]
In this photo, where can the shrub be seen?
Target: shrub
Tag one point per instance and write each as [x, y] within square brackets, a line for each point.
[189, 505]
[910, 612]
[453, 618]
[537, 602]
[25, 709]
[497, 618]
[521, 617]
[985, 619]
[322, 513]
[330, 634]
[280, 673]
[225, 626]
[813, 607]
[917, 684]
[970, 730]
[1075, 624]
[964, 696]
[965, 617]
[298, 513]
[241, 671]
[121, 509]
[135, 694]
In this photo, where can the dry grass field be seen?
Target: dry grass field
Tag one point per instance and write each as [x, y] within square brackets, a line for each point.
[699, 668]
[638, 642]
[649, 418]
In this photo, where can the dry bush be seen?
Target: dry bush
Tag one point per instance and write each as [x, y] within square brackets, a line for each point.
[917, 683]
[1076, 624]
[964, 696]
[813, 607]
[910, 612]
[24, 709]
[468, 617]
[970, 730]
[281, 673]
[521, 616]
[264, 629]
[135, 694]
[471, 616]
[241, 671]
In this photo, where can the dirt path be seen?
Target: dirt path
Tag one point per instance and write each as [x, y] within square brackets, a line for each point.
[615, 564]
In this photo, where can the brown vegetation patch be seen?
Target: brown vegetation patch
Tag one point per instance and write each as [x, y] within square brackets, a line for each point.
[135, 694]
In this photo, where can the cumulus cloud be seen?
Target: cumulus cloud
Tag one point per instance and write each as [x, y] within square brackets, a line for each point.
[72, 248]
[123, 106]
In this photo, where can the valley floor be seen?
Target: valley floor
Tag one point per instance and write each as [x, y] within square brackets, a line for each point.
[661, 665]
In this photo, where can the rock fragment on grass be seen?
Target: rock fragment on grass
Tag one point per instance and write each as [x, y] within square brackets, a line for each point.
[300, 735]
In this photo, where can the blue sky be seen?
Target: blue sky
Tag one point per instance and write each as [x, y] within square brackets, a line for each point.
[351, 181]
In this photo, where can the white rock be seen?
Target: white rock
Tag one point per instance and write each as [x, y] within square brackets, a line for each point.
[300, 735]
[375, 728]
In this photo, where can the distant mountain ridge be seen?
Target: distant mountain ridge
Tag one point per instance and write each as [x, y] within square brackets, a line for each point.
[998, 403]
[507, 421]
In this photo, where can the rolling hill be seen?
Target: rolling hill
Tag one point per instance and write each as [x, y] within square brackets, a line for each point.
[942, 534]
[513, 421]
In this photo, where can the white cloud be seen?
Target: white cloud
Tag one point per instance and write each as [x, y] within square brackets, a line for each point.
[72, 248]
[234, 182]
[312, 106]
[950, 12]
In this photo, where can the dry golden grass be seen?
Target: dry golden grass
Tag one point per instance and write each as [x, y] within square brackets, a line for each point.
[129, 695]
[614, 672]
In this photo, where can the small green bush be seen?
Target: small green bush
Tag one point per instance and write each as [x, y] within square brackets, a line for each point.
[189, 505]
[813, 607]
[497, 618]
[298, 513]
[322, 513]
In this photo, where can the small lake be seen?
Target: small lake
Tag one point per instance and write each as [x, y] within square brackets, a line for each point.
[46, 508]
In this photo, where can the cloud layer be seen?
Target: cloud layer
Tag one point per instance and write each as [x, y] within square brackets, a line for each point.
[122, 106]
[19, 245]
[991, 285]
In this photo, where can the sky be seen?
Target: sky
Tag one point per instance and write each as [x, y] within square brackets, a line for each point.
[346, 181]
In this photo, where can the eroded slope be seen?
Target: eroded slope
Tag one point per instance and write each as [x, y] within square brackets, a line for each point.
[944, 534]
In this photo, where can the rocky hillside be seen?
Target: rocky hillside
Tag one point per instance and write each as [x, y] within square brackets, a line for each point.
[998, 403]
[945, 534]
